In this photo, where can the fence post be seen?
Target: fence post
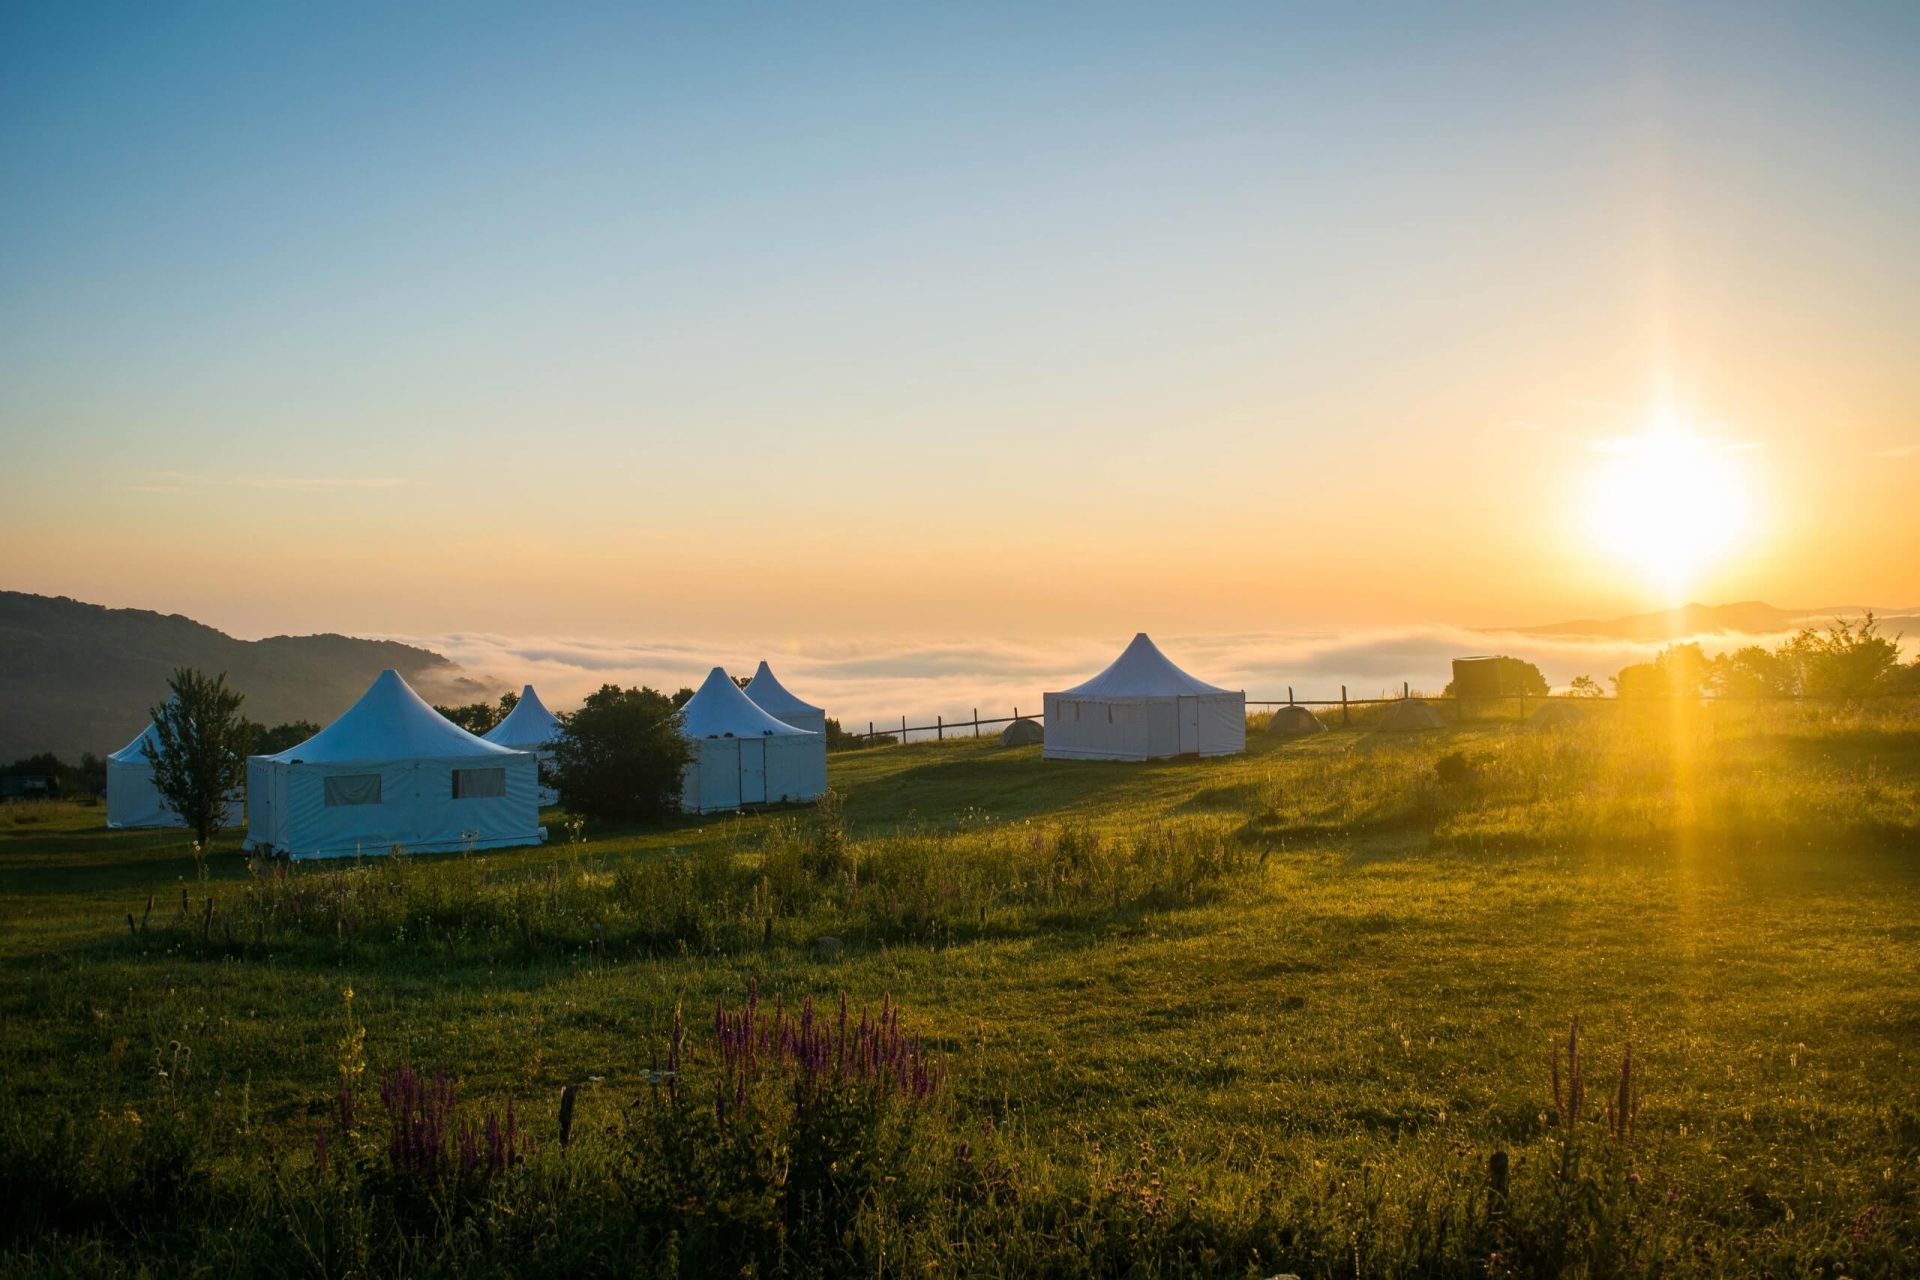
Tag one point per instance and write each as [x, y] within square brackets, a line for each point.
[869, 733]
[976, 722]
[1405, 687]
[1289, 695]
[1344, 717]
[1523, 706]
[939, 728]
[903, 731]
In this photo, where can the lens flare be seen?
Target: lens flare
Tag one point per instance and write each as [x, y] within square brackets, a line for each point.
[1670, 502]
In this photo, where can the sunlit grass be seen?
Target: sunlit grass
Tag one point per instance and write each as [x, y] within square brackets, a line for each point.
[1269, 1013]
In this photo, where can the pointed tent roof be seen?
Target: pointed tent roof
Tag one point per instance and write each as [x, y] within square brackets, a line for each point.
[528, 725]
[720, 710]
[772, 697]
[1142, 672]
[135, 752]
[390, 722]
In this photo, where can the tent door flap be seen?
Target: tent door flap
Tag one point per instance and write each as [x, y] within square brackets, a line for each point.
[1189, 726]
[753, 771]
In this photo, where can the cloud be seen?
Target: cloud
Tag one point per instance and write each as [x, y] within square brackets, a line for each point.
[880, 680]
[1902, 451]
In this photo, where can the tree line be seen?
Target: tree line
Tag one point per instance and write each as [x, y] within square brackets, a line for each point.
[1841, 660]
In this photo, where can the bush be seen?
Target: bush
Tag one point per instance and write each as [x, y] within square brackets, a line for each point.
[621, 755]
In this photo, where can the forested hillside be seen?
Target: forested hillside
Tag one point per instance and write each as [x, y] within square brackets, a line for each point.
[80, 677]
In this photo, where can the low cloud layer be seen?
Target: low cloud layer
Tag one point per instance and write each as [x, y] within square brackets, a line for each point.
[879, 681]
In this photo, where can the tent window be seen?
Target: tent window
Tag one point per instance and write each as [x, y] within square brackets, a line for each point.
[351, 788]
[479, 784]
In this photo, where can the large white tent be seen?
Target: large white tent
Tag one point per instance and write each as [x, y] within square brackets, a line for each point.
[392, 773]
[772, 697]
[742, 755]
[529, 727]
[133, 800]
[1144, 708]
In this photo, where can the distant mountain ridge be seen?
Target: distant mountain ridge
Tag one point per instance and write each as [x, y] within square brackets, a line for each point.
[1747, 617]
[80, 677]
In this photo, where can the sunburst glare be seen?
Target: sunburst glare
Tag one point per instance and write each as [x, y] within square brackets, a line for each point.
[1671, 502]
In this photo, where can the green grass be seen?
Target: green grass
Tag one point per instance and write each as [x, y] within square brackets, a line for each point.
[1264, 1014]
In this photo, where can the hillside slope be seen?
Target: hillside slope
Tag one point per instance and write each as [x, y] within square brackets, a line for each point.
[80, 677]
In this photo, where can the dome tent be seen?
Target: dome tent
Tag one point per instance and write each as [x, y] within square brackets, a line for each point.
[742, 755]
[772, 697]
[1560, 714]
[392, 772]
[1295, 722]
[1024, 732]
[133, 800]
[529, 727]
[1142, 707]
[1409, 715]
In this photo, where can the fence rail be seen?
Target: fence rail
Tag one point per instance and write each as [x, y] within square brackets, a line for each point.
[941, 729]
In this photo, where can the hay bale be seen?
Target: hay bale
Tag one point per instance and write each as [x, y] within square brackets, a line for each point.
[1410, 715]
[1295, 722]
[1022, 733]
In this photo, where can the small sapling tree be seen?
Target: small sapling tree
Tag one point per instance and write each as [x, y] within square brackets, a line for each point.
[201, 756]
[621, 755]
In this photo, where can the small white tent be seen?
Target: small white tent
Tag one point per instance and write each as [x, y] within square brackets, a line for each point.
[1144, 708]
[133, 800]
[529, 727]
[742, 755]
[392, 772]
[772, 697]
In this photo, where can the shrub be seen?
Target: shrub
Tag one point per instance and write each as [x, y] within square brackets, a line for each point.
[621, 755]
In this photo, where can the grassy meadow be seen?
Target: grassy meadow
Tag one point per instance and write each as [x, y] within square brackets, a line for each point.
[1307, 1010]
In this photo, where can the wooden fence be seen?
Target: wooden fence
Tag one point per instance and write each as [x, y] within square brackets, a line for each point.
[1462, 708]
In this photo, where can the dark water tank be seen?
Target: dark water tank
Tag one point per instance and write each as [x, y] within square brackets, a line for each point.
[1486, 677]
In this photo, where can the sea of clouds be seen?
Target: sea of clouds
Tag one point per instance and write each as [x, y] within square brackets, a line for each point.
[859, 681]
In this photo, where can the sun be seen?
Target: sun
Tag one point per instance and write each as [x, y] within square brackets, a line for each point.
[1670, 502]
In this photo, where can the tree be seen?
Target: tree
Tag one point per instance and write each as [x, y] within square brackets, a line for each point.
[1843, 661]
[1753, 672]
[90, 777]
[478, 717]
[1586, 687]
[621, 755]
[203, 746]
[1680, 671]
[271, 742]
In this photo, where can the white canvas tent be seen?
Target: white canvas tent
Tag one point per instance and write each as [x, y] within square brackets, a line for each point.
[392, 772]
[133, 800]
[529, 727]
[742, 755]
[1144, 708]
[772, 697]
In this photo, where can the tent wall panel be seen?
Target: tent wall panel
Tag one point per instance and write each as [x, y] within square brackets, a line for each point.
[1142, 707]
[414, 752]
[743, 754]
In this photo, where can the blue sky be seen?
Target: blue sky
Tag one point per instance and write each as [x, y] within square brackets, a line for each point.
[697, 293]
